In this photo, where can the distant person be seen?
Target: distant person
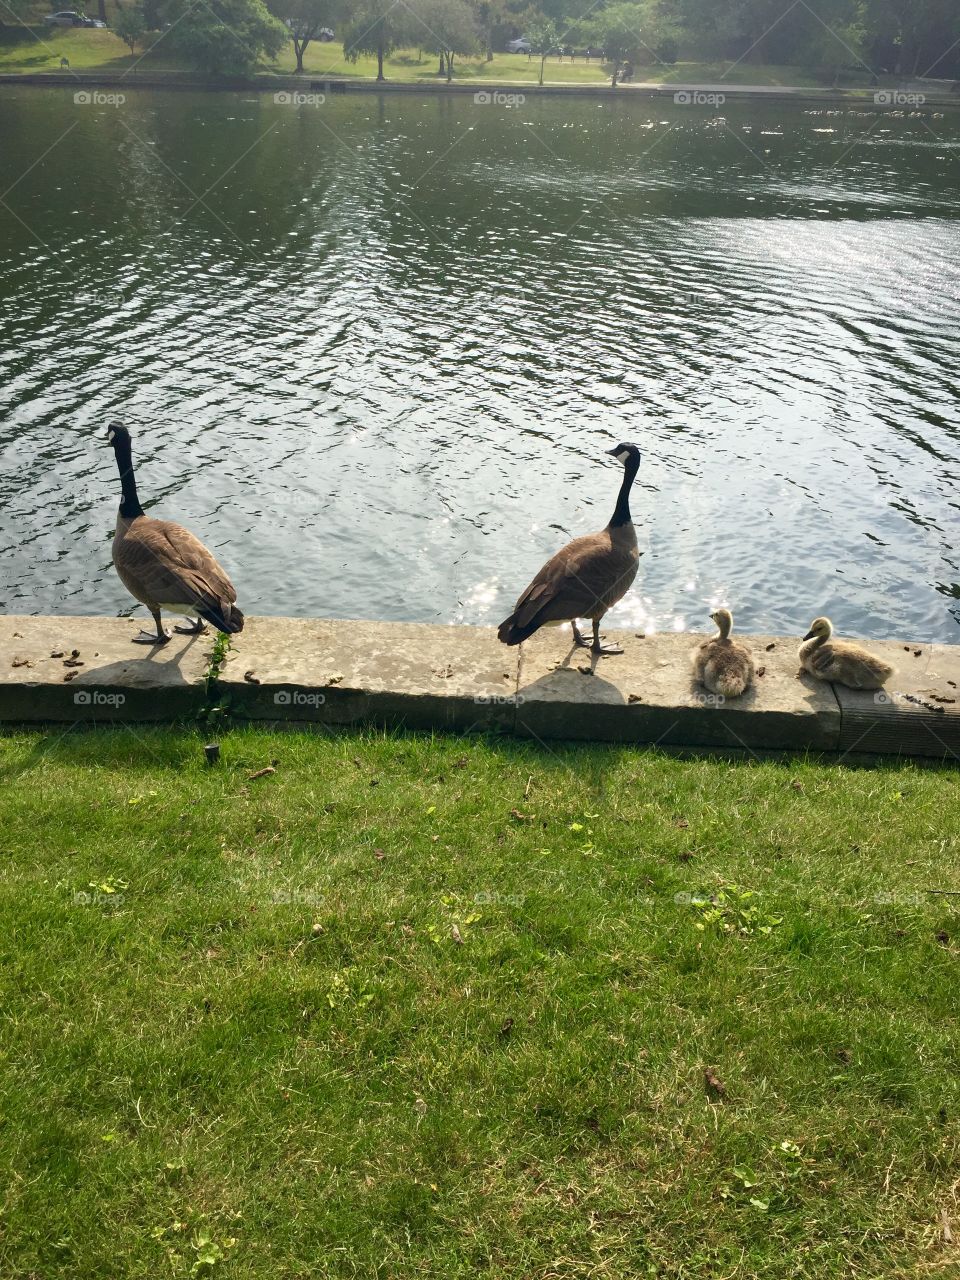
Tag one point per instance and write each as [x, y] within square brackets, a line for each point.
[64, 64]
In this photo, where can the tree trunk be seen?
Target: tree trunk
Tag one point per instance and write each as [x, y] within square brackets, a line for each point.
[613, 78]
[449, 66]
[298, 49]
[441, 68]
[102, 7]
[379, 61]
[542, 61]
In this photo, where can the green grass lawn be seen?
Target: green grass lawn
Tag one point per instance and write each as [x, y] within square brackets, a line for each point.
[88, 49]
[726, 72]
[464, 1007]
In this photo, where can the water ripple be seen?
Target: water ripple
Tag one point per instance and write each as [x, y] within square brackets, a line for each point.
[376, 365]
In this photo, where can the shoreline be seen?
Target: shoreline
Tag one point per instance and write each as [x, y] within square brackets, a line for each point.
[644, 91]
[298, 672]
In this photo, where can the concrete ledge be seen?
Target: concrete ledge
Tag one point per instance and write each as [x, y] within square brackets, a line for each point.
[316, 83]
[388, 672]
[917, 714]
[648, 695]
[314, 671]
[108, 679]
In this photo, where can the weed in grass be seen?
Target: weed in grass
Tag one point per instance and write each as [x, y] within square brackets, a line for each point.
[733, 910]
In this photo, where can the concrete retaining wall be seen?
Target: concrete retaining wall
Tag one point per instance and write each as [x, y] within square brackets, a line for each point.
[300, 670]
[943, 94]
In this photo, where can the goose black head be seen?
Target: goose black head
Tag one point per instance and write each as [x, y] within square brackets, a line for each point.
[626, 453]
[629, 455]
[119, 437]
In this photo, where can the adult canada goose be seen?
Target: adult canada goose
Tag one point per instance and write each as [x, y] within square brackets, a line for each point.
[840, 661]
[723, 665]
[587, 577]
[163, 565]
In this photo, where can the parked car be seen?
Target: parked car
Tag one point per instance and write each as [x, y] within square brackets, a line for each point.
[519, 46]
[65, 18]
[94, 22]
[326, 35]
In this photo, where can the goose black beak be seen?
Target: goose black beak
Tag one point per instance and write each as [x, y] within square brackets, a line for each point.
[809, 635]
[614, 452]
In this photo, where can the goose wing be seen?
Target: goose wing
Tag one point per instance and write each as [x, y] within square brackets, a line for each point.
[171, 566]
[572, 584]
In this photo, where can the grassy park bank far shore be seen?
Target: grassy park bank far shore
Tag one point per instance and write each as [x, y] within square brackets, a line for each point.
[35, 55]
[365, 1004]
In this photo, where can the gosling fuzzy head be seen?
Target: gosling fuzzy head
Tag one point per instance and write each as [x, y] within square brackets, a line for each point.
[820, 629]
[724, 620]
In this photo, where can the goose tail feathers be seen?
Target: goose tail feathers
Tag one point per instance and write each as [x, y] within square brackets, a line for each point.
[229, 619]
[510, 633]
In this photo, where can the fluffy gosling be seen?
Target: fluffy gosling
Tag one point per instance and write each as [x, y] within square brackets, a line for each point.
[723, 665]
[839, 661]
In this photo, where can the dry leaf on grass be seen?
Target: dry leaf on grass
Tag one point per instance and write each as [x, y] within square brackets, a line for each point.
[715, 1086]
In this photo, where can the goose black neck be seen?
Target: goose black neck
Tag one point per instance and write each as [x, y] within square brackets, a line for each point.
[621, 512]
[130, 503]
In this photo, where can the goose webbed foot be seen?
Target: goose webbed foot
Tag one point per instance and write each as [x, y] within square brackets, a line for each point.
[578, 638]
[606, 650]
[151, 637]
[603, 650]
[195, 629]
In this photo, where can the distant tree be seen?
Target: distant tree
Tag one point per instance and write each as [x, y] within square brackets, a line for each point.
[375, 27]
[922, 35]
[15, 12]
[840, 47]
[490, 15]
[224, 37]
[304, 20]
[618, 30]
[130, 24]
[544, 37]
[446, 28]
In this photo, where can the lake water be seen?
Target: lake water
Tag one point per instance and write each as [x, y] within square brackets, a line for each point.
[373, 350]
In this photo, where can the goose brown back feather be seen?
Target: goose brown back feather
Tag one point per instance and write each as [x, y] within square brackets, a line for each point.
[162, 565]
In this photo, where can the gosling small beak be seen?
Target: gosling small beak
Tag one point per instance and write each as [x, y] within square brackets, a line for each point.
[809, 635]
